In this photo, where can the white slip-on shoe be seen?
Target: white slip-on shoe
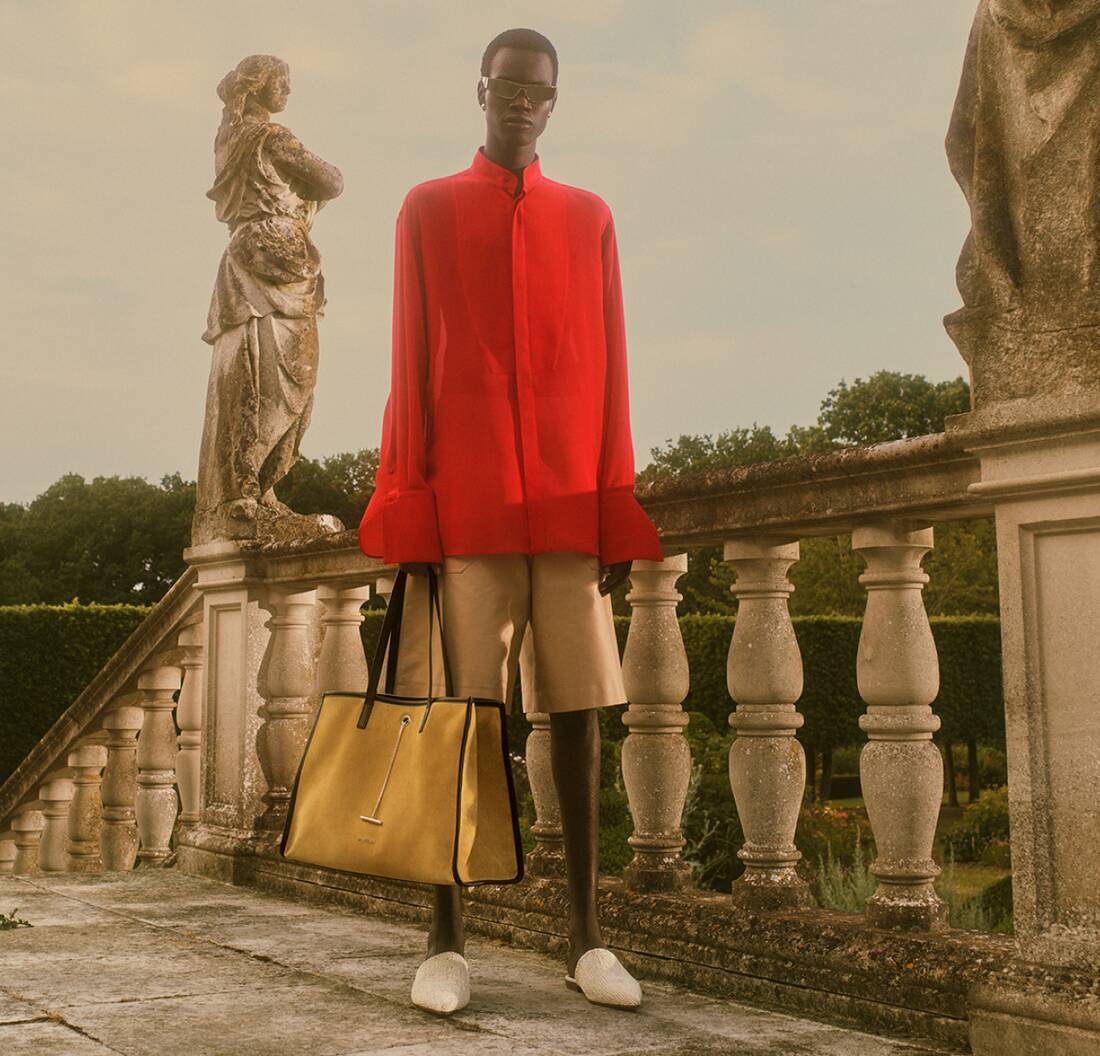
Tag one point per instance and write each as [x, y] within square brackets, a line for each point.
[600, 976]
[442, 983]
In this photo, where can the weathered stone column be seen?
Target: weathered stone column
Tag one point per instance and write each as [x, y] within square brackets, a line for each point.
[86, 761]
[118, 835]
[156, 802]
[1023, 132]
[341, 665]
[286, 682]
[1041, 470]
[56, 795]
[656, 759]
[235, 640]
[27, 825]
[547, 857]
[766, 762]
[7, 852]
[189, 719]
[901, 770]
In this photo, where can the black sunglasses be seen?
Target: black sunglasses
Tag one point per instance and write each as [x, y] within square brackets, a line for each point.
[537, 93]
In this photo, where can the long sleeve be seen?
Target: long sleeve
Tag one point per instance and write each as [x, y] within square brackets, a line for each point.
[626, 531]
[409, 520]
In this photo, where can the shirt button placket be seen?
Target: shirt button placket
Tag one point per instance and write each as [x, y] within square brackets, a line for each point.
[524, 388]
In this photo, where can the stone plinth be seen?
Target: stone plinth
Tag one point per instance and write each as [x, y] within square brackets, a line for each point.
[235, 639]
[1041, 470]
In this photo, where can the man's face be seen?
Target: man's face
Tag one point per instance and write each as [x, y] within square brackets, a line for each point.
[518, 121]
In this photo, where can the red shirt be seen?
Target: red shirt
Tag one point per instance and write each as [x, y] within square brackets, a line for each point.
[507, 427]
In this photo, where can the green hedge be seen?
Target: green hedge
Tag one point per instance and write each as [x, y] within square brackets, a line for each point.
[48, 654]
[969, 703]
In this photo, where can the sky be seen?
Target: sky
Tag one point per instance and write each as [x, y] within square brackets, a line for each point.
[783, 206]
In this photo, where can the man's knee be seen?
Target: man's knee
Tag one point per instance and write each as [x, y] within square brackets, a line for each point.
[578, 722]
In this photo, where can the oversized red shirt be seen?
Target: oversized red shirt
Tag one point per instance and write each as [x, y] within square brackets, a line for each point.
[507, 427]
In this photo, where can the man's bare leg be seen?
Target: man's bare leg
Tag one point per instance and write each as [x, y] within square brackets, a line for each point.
[446, 932]
[575, 762]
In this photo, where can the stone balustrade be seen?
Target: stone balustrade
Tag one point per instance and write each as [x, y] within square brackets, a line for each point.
[193, 757]
[311, 643]
[209, 774]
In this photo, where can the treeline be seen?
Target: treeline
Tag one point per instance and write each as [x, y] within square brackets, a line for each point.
[117, 540]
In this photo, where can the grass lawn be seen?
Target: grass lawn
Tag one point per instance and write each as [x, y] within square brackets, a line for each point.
[972, 878]
[968, 878]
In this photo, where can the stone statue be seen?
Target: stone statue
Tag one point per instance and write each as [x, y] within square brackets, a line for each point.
[263, 315]
[1023, 144]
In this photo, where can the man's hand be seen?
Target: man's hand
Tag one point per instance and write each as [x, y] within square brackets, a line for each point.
[616, 574]
[418, 568]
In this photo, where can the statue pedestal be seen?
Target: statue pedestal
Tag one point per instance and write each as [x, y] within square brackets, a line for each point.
[235, 640]
[1040, 462]
[269, 522]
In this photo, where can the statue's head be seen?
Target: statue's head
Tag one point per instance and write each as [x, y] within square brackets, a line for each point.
[264, 78]
[512, 58]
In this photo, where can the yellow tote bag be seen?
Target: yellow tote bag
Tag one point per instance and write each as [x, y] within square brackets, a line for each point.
[407, 788]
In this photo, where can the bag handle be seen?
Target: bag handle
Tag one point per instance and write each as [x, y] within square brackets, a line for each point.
[391, 636]
[391, 663]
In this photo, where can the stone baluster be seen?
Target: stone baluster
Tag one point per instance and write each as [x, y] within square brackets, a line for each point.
[189, 719]
[767, 766]
[656, 759]
[85, 813]
[118, 835]
[285, 683]
[8, 851]
[56, 794]
[156, 802]
[547, 857]
[901, 770]
[341, 666]
[27, 825]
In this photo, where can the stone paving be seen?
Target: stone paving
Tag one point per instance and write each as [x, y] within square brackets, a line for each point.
[155, 962]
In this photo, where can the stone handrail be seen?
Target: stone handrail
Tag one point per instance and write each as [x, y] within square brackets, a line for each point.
[805, 495]
[53, 798]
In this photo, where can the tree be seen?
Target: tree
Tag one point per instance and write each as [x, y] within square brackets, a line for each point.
[885, 406]
[340, 484]
[115, 539]
[112, 540]
[707, 454]
[706, 584]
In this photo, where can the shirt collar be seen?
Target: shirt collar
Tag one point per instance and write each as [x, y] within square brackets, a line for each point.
[487, 169]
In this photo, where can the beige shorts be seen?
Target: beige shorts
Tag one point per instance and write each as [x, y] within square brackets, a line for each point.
[539, 615]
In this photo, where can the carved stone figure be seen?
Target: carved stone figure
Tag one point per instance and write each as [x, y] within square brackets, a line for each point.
[1023, 144]
[263, 315]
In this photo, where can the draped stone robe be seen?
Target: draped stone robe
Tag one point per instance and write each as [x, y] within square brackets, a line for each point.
[1023, 144]
[262, 324]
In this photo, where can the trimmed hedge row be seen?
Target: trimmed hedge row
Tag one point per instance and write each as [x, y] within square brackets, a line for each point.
[969, 703]
[48, 654]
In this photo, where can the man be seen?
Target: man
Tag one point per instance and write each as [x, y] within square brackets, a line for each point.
[507, 461]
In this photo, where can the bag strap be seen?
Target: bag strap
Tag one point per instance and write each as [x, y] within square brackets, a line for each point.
[433, 592]
[391, 636]
[392, 618]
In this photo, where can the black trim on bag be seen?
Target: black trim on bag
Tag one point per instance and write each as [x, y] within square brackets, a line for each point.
[458, 787]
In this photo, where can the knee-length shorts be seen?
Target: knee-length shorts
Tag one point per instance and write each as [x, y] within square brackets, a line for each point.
[540, 617]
